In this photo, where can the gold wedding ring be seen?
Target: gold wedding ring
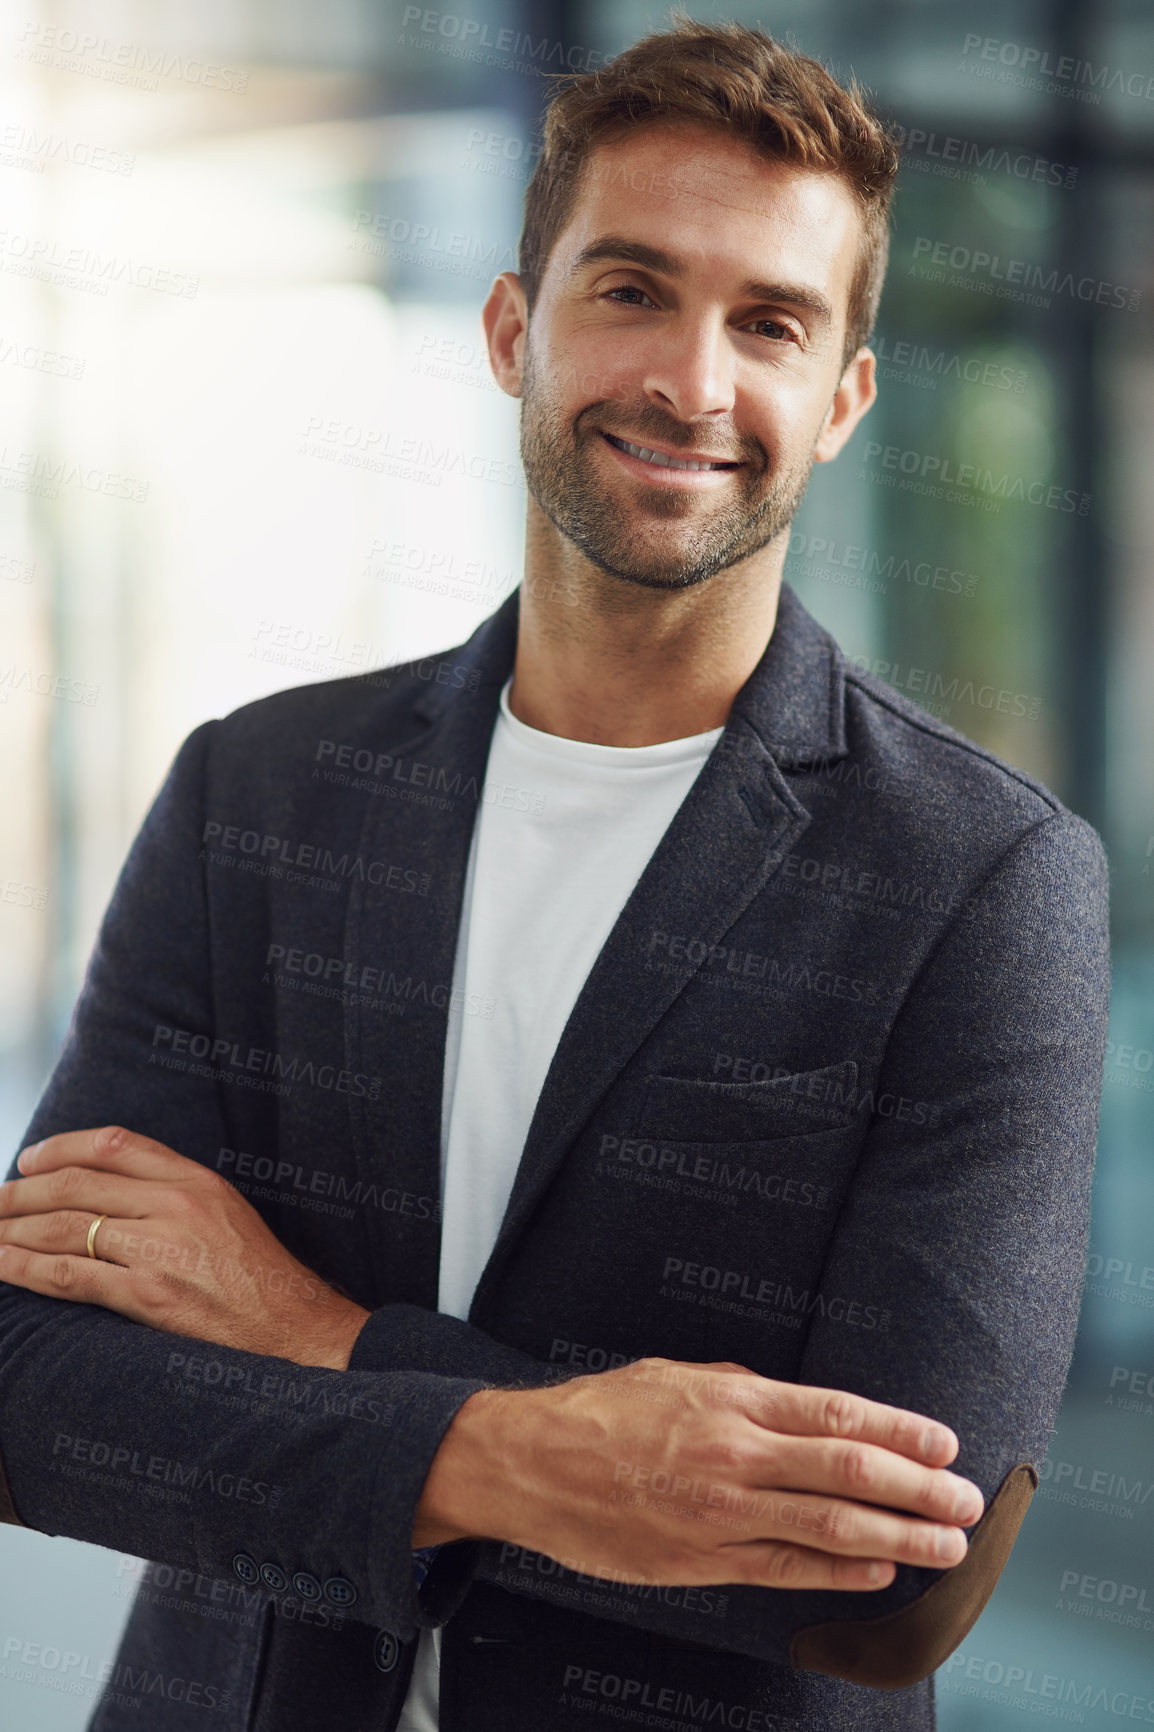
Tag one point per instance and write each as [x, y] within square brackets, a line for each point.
[92, 1231]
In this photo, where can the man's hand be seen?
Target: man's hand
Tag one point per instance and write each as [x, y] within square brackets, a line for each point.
[181, 1250]
[669, 1473]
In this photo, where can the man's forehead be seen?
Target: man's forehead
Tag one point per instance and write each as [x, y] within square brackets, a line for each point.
[690, 187]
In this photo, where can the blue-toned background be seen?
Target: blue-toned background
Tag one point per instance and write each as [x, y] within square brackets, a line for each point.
[248, 439]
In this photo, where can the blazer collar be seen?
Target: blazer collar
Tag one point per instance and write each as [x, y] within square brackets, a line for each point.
[794, 699]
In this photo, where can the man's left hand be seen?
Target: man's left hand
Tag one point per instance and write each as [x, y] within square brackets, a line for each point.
[179, 1249]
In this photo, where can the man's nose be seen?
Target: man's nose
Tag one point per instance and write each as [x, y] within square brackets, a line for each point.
[689, 371]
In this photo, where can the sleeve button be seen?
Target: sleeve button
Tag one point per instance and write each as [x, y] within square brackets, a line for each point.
[385, 1650]
[340, 1591]
[274, 1577]
[306, 1587]
[245, 1567]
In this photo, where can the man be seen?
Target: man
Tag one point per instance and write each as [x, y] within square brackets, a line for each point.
[663, 1064]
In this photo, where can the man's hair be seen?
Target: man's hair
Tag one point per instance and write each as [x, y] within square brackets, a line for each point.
[744, 85]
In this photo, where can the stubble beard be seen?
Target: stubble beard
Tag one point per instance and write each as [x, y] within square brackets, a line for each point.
[562, 479]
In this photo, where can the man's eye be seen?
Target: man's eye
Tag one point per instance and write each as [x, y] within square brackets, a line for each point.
[772, 328]
[628, 289]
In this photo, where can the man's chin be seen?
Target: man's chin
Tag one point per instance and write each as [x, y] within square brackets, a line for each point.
[655, 571]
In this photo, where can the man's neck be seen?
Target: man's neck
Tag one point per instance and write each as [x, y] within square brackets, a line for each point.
[617, 664]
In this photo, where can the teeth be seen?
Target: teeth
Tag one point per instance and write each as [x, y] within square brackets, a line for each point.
[660, 458]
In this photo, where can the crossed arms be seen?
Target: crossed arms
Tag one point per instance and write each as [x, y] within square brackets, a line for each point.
[984, 1221]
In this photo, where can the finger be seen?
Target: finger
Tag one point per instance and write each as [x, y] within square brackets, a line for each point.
[82, 1189]
[84, 1280]
[808, 1412]
[770, 1564]
[863, 1473]
[66, 1231]
[111, 1148]
[848, 1530]
[855, 1530]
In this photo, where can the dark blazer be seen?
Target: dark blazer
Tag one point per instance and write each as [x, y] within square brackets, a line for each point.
[825, 1107]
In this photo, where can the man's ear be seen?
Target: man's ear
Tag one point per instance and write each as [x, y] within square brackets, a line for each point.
[857, 391]
[506, 320]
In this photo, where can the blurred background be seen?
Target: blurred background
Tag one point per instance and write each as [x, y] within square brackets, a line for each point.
[248, 439]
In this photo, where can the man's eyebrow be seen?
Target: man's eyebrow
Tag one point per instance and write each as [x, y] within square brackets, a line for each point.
[616, 247]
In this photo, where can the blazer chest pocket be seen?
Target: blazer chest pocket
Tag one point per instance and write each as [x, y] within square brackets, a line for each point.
[695, 1110]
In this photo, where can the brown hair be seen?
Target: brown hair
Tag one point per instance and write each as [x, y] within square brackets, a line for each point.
[740, 82]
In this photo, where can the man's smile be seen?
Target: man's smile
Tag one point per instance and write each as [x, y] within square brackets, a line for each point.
[669, 468]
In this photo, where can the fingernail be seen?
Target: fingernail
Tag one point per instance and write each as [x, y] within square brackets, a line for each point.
[968, 1505]
[876, 1573]
[951, 1545]
[26, 1160]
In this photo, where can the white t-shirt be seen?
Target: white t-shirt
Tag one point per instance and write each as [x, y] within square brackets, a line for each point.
[564, 832]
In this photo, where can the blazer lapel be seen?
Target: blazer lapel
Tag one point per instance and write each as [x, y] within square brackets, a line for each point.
[730, 835]
[411, 938]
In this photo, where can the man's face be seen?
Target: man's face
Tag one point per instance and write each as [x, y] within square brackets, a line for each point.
[694, 310]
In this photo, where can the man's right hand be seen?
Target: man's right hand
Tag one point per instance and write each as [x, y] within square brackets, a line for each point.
[670, 1473]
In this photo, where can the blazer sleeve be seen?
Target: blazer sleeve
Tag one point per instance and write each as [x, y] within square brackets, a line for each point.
[321, 1471]
[968, 1231]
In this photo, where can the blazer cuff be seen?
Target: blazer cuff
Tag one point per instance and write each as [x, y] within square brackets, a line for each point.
[428, 1602]
[404, 1337]
[903, 1647]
